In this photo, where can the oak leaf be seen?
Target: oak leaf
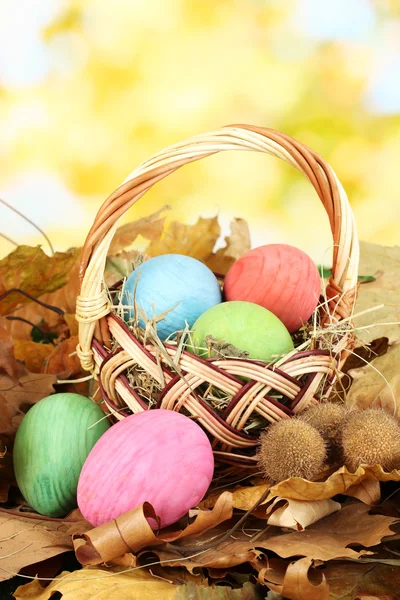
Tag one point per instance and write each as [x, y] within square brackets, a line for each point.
[355, 581]
[31, 270]
[26, 539]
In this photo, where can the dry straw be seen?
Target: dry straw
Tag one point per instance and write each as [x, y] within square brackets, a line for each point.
[232, 397]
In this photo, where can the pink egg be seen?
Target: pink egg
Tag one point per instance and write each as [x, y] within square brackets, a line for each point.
[157, 456]
[278, 277]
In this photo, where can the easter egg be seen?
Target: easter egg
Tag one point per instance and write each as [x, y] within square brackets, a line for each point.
[157, 456]
[278, 277]
[179, 284]
[51, 445]
[246, 326]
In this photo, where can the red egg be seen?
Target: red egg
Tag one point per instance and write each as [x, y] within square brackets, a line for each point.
[278, 277]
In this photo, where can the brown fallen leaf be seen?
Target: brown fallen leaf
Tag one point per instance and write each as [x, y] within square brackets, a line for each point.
[196, 240]
[116, 583]
[33, 355]
[236, 245]
[368, 491]
[26, 539]
[17, 396]
[150, 228]
[378, 383]
[7, 358]
[6, 468]
[294, 583]
[131, 532]
[382, 262]
[63, 361]
[329, 538]
[353, 581]
[32, 271]
[299, 514]
[338, 483]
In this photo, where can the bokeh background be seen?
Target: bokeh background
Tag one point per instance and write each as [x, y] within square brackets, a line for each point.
[89, 89]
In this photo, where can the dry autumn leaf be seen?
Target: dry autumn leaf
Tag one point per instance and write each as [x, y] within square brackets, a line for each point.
[236, 245]
[196, 240]
[378, 383]
[31, 270]
[7, 358]
[293, 583]
[338, 483]
[353, 581]
[16, 397]
[150, 228]
[130, 532]
[299, 514]
[116, 583]
[384, 264]
[33, 355]
[329, 538]
[6, 469]
[26, 539]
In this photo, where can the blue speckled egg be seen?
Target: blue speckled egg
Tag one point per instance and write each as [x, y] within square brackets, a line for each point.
[169, 280]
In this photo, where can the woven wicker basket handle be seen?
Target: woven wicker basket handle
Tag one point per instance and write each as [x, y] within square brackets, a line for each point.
[93, 303]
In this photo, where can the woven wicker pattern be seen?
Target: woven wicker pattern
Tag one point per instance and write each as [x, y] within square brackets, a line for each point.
[297, 378]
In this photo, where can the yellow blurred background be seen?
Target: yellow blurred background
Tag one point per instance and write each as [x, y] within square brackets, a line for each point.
[89, 89]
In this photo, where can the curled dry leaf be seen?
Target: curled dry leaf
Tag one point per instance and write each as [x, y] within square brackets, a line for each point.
[150, 228]
[26, 539]
[384, 263]
[131, 532]
[338, 483]
[32, 271]
[299, 514]
[294, 583]
[116, 583]
[16, 397]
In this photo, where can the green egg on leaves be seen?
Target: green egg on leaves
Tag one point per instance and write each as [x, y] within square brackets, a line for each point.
[246, 326]
[51, 445]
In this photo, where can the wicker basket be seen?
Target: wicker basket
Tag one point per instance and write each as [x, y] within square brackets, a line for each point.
[108, 348]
